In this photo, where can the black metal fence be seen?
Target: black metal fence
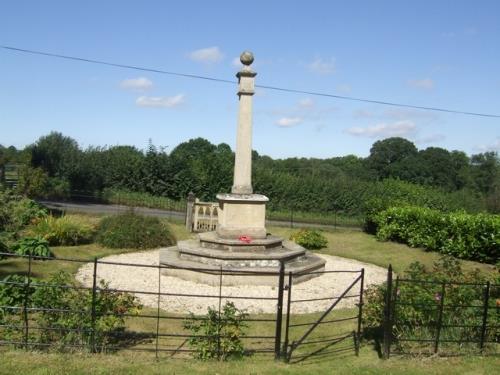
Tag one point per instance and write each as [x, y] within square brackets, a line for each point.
[84, 316]
[313, 336]
[427, 317]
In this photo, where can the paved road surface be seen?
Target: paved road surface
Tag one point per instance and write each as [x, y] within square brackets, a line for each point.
[96, 208]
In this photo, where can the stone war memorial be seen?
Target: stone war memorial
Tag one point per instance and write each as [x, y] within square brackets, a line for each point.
[241, 242]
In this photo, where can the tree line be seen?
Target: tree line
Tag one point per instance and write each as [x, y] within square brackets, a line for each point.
[55, 166]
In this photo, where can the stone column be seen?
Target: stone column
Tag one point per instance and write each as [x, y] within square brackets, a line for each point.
[242, 183]
[189, 211]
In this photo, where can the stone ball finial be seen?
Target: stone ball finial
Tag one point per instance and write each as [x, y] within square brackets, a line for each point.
[246, 58]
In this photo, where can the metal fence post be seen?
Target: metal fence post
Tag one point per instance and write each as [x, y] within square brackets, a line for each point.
[485, 315]
[158, 311]
[93, 312]
[287, 324]
[219, 320]
[25, 303]
[440, 318]
[279, 311]
[387, 326]
[360, 312]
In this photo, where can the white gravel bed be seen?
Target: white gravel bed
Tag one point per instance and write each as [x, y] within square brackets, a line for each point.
[145, 279]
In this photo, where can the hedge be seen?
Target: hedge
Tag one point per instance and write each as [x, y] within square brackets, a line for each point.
[462, 235]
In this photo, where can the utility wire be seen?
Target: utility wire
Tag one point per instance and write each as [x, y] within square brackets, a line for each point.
[275, 88]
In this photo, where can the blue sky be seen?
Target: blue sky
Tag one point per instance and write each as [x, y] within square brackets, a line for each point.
[427, 53]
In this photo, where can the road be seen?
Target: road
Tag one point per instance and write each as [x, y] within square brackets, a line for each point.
[96, 208]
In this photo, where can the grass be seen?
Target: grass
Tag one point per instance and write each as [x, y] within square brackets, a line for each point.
[42, 269]
[339, 358]
[144, 363]
[365, 248]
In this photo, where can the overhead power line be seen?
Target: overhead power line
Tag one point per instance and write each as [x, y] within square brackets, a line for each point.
[275, 88]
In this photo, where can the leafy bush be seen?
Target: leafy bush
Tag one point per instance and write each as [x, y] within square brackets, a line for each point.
[17, 212]
[217, 336]
[35, 246]
[311, 239]
[466, 236]
[133, 231]
[65, 230]
[12, 293]
[3, 248]
[72, 315]
[419, 296]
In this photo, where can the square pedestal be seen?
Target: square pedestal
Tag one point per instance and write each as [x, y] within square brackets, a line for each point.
[242, 215]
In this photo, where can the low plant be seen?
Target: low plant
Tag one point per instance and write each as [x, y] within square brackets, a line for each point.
[67, 230]
[14, 290]
[419, 294]
[217, 335]
[34, 246]
[133, 231]
[311, 239]
[70, 310]
[3, 249]
[17, 211]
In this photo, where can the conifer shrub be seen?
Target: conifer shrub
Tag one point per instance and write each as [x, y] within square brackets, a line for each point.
[134, 231]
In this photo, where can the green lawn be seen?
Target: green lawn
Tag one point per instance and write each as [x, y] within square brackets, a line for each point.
[18, 362]
[350, 244]
[364, 247]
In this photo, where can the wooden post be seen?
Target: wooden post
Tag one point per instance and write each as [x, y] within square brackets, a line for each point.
[387, 316]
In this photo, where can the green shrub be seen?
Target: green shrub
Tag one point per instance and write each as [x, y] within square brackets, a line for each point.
[35, 246]
[17, 212]
[311, 239]
[466, 236]
[66, 230]
[13, 292]
[218, 336]
[72, 315]
[419, 296]
[133, 231]
[3, 249]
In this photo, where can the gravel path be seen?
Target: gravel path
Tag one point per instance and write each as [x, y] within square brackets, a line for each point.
[146, 279]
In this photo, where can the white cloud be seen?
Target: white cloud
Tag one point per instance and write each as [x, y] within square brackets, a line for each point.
[208, 55]
[424, 84]
[344, 88]
[160, 101]
[433, 138]
[494, 146]
[288, 121]
[236, 62]
[306, 103]
[321, 66]
[395, 129]
[140, 84]
[364, 113]
[448, 34]
[470, 31]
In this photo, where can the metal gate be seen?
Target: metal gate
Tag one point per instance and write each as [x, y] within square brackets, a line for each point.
[334, 330]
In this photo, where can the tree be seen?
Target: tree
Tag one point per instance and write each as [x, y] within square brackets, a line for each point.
[389, 155]
[56, 154]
